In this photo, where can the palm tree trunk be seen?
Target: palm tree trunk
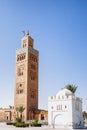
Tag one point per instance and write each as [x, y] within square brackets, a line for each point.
[21, 116]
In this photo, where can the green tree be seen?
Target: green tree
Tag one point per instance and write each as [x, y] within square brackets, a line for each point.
[72, 88]
[20, 110]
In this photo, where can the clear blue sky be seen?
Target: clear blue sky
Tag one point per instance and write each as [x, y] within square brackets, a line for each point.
[59, 29]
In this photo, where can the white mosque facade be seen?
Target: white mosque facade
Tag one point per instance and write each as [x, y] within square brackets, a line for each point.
[65, 110]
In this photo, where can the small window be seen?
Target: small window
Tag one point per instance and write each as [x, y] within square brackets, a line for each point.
[21, 91]
[20, 85]
[32, 78]
[21, 73]
[65, 106]
[17, 58]
[7, 117]
[20, 57]
[59, 107]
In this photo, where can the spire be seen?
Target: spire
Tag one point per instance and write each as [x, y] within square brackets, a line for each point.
[27, 33]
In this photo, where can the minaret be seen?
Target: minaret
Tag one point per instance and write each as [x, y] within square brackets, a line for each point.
[26, 77]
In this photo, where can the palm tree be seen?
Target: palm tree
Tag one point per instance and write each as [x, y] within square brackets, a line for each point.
[72, 88]
[11, 106]
[84, 115]
[20, 110]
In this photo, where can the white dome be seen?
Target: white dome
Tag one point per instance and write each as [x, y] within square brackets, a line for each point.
[63, 92]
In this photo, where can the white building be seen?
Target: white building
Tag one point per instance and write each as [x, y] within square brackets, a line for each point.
[65, 110]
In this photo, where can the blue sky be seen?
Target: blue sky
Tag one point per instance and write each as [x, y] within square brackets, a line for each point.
[59, 29]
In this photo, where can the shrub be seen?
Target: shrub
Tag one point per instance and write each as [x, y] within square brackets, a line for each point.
[18, 123]
[21, 124]
[35, 123]
[9, 123]
[18, 119]
[14, 123]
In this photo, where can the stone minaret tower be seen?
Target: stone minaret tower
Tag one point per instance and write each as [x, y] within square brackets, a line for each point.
[26, 77]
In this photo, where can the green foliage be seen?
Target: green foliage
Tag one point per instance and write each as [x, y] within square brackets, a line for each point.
[21, 124]
[18, 119]
[35, 123]
[18, 124]
[14, 123]
[72, 88]
[20, 110]
[84, 115]
[10, 106]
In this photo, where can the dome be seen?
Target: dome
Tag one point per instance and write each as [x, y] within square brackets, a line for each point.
[63, 92]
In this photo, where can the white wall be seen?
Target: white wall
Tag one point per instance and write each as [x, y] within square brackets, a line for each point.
[65, 111]
[60, 117]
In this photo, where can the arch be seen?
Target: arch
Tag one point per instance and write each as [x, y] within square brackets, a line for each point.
[56, 116]
[42, 117]
[18, 58]
[54, 119]
[22, 57]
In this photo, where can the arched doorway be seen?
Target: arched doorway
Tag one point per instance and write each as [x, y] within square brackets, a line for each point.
[7, 117]
[57, 120]
[42, 117]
